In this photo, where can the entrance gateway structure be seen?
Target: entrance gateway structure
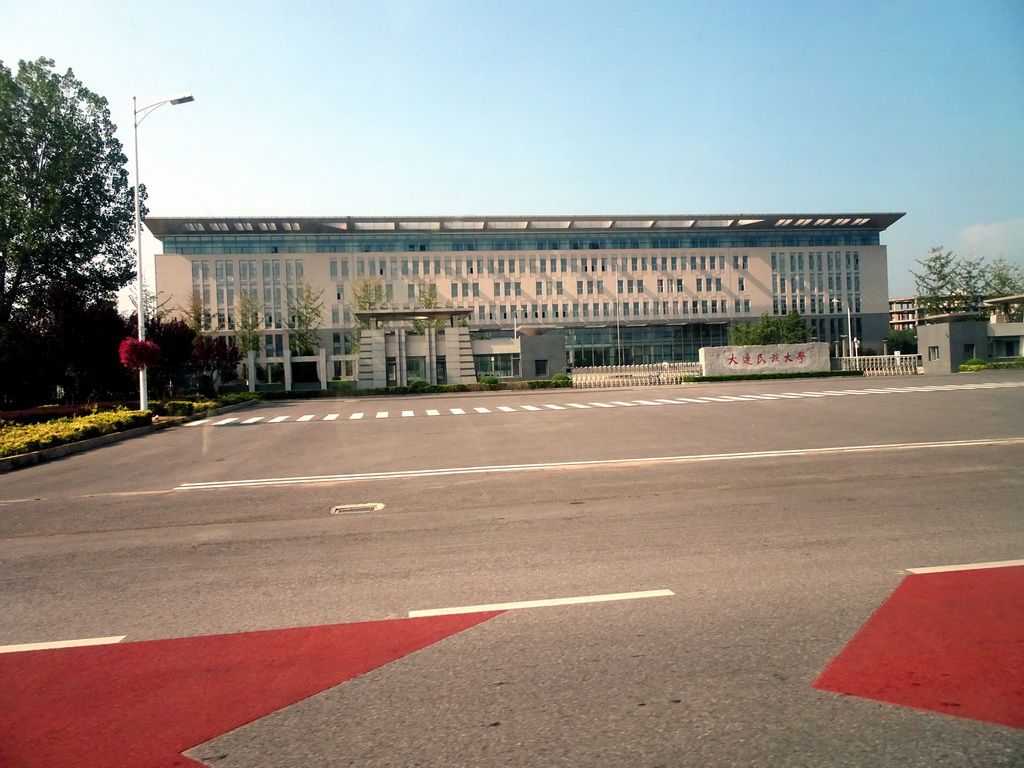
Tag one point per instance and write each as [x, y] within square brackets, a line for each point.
[616, 289]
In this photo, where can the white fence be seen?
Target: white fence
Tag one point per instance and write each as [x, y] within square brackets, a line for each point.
[633, 375]
[673, 373]
[883, 365]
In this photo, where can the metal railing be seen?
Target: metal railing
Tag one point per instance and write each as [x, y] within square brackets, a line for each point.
[633, 375]
[883, 365]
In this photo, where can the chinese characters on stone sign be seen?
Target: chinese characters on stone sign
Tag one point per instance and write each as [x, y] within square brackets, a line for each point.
[774, 358]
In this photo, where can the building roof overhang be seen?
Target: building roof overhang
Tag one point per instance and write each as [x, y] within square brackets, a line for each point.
[1005, 300]
[382, 225]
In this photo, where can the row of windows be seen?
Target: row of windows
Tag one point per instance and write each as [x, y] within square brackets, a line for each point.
[187, 244]
[813, 304]
[415, 267]
[812, 282]
[834, 261]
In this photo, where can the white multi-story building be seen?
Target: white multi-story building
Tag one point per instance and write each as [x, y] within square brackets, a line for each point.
[619, 289]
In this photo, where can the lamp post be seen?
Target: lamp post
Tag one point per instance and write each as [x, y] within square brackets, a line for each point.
[852, 351]
[139, 116]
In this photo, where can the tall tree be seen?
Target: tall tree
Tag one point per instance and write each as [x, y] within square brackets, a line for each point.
[937, 281]
[305, 311]
[66, 210]
[248, 310]
[1004, 278]
[789, 329]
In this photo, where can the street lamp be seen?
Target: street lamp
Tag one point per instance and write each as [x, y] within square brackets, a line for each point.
[140, 115]
[852, 352]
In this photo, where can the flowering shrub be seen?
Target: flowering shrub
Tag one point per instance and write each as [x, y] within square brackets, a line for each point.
[137, 354]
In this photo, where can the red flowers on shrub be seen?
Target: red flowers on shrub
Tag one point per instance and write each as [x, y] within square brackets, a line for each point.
[137, 354]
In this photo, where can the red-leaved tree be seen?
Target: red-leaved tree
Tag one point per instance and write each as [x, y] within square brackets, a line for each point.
[137, 354]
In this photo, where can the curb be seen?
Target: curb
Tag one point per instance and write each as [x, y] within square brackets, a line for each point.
[59, 451]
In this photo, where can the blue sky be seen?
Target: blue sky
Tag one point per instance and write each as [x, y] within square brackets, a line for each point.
[451, 107]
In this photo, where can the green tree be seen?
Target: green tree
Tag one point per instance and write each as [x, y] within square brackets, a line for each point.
[367, 293]
[902, 341]
[428, 300]
[305, 311]
[1004, 278]
[66, 209]
[937, 281]
[788, 329]
[247, 334]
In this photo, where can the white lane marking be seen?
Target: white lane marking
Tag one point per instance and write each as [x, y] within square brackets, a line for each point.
[710, 400]
[225, 421]
[602, 405]
[253, 420]
[646, 402]
[331, 416]
[833, 393]
[382, 414]
[555, 407]
[277, 419]
[506, 409]
[692, 458]
[308, 417]
[542, 603]
[672, 402]
[688, 400]
[407, 413]
[852, 392]
[482, 410]
[62, 644]
[621, 402]
[433, 413]
[196, 423]
[530, 408]
[355, 416]
[577, 405]
[759, 397]
[734, 397]
[966, 566]
[457, 411]
[802, 394]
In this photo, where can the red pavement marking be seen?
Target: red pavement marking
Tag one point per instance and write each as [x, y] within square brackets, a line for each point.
[139, 705]
[948, 642]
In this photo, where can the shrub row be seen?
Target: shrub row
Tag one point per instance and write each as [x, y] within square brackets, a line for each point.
[44, 413]
[981, 365]
[25, 438]
[758, 376]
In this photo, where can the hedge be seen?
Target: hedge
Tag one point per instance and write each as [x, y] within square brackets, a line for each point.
[759, 376]
[970, 366]
[25, 438]
[44, 413]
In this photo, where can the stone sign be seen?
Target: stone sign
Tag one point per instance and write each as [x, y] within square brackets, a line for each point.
[772, 358]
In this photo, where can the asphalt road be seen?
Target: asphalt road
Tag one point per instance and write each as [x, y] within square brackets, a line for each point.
[779, 522]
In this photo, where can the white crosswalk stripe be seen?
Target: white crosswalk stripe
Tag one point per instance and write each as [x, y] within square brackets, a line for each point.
[705, 400]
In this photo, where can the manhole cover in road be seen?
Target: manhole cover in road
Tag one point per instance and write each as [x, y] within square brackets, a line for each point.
[355, 509]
